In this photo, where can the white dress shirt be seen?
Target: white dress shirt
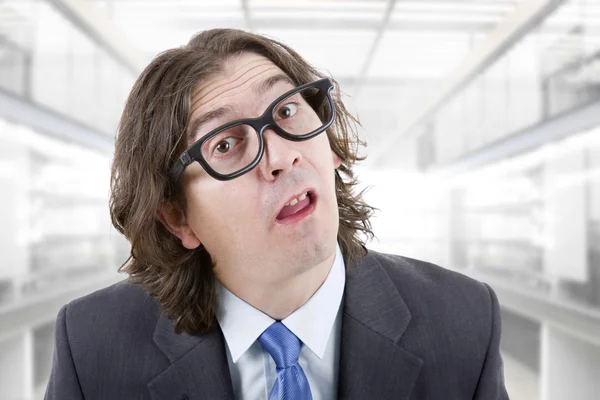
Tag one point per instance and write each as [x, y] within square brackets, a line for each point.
[317, 324]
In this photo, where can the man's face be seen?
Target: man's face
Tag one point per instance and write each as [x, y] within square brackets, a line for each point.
[240, 221]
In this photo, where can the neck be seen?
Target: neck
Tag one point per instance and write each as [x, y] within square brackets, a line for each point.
[279, 299]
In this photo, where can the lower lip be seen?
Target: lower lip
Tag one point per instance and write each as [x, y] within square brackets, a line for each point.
[300, 215]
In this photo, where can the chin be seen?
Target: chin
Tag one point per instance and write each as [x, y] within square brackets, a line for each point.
[315, 251]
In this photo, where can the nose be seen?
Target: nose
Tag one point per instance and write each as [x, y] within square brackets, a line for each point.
[280, 155]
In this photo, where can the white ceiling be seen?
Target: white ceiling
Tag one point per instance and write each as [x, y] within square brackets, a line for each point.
[386, 55]
[422, 39]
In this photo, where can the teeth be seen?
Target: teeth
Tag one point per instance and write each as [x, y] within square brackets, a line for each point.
[295, 201]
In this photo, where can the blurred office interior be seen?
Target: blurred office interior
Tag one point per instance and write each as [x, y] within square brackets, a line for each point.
[482, 119]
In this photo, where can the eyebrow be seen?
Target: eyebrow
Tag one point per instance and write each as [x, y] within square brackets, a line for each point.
[271, 81]
[262, 88]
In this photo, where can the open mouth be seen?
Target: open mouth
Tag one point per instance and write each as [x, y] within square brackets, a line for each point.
[297, 208]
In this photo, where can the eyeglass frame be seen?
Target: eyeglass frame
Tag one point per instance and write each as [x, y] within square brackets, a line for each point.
[260, 125]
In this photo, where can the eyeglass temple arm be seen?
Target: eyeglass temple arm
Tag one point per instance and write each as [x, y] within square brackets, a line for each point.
[181, 163]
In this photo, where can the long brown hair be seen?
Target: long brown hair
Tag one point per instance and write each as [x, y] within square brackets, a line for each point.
[152, 133]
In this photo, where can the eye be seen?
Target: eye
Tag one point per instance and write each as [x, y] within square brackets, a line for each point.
[225, 145]
[287, 111]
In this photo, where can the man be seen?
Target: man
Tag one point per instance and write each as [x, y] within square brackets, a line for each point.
[232, 180]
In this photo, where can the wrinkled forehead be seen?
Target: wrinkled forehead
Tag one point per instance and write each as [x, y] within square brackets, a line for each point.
[239, 78]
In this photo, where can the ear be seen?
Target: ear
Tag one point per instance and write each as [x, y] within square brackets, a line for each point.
[175, 221]
[336, 160]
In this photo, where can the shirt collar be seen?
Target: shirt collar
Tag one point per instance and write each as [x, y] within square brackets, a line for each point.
[312, 323]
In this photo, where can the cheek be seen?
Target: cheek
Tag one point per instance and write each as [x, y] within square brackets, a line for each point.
[218, 207]
[322, 154]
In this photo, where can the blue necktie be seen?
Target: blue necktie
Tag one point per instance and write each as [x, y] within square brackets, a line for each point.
[284, 347]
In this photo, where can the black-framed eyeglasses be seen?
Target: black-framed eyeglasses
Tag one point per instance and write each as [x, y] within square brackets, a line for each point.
[237, 147]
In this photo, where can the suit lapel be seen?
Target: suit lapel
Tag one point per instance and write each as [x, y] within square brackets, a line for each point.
[372, 364]
[198, 370]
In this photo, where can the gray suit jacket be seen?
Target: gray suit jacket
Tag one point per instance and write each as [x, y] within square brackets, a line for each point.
[410, 330]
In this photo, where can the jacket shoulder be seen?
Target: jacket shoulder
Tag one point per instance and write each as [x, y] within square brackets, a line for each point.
[425, 279]
[119, 302]
[118, 314]
[109, 334]
[442, 301]
[453, 317]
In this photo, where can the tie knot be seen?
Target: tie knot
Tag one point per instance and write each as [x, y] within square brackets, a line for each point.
[281, 344]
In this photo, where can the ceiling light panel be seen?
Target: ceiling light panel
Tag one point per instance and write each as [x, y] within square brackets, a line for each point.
[309, 15]
[339, 6]
[419, 55]
[341, 52]
[452, 11]
[159, 11]
[480, 6]
[154, 26]
[169, 3]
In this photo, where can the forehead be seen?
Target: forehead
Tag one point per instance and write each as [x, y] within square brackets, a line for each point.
[233, 87]
[240, 73]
